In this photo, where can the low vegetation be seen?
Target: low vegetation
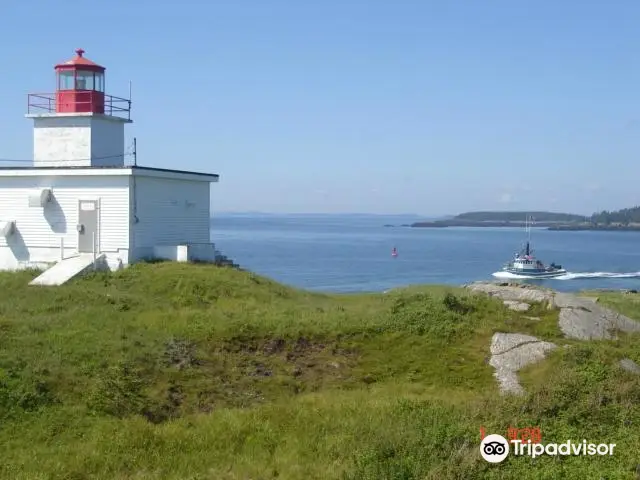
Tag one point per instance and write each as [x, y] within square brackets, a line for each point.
[624, 217]
[168, 371]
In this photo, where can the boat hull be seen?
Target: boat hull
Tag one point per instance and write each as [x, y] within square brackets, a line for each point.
[536, 273]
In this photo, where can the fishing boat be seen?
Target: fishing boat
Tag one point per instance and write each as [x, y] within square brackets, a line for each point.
[525, 264]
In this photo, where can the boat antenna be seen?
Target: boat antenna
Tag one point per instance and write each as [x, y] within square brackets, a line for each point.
[528, 229]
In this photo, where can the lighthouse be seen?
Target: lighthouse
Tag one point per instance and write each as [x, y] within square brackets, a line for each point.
[82, 203]
[79, 124]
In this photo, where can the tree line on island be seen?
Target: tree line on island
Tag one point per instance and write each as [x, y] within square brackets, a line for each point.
[624, 219]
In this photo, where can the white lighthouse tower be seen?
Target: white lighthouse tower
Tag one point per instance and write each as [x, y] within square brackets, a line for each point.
[79, 125]
[81, 202]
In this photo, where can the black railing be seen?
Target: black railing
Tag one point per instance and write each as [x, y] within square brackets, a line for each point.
[84, 101]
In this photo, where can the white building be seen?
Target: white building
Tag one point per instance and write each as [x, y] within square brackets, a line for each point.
[81, 199]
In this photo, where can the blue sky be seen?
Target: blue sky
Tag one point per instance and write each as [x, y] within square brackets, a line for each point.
[428, 107]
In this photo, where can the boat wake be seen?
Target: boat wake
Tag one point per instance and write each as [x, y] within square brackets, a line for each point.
[570, 275]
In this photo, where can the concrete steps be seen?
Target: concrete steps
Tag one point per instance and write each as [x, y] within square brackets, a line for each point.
[224, 261]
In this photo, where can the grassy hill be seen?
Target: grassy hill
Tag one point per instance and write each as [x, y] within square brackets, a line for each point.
[168, 371]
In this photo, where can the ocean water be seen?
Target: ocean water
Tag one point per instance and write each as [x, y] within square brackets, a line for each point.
[344, 253]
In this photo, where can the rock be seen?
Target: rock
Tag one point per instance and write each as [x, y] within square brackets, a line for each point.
[511, 352]
[537, 319]
[521, 293]
[503, 342]
[517, 306]
[630, 366]
[583, 319]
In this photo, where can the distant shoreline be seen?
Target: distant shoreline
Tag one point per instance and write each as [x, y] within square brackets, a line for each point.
[482, 224]
[596, 228]
[622, 221]
[552, 226]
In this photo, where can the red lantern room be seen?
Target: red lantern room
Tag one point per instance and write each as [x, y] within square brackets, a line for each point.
[80, 86]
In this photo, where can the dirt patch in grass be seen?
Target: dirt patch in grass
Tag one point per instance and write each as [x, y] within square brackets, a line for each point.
[243, 372]
[180, 354]
[168, 409]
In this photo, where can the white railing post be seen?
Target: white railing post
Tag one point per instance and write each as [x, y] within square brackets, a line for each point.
[94, 249]
[61, 248]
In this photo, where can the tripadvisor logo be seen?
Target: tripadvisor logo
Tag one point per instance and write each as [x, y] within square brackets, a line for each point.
[495, 448]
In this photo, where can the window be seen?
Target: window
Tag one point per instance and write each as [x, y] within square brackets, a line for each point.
[84, 80]
[99, 82]
[80, 80]
[65, 80]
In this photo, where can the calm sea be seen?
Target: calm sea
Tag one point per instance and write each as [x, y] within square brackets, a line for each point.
[335, 253]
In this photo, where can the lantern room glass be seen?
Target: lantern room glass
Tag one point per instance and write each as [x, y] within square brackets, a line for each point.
[81, 80]
[98, 84]
[84, 80]
[65, 80]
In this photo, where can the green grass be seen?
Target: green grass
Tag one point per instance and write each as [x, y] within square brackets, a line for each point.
[168, 371]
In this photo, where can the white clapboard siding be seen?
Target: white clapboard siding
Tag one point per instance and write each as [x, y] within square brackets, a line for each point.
[43, 227]
[170, 211]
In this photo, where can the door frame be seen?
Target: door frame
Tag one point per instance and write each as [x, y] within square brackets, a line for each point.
[97, 210]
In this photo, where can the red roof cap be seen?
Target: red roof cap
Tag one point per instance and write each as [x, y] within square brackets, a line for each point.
[79, 62]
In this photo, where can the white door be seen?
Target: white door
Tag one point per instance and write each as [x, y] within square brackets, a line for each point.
[87, 225]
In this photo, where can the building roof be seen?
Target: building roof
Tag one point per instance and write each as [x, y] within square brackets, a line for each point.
[105, 170]
[168, 170]
[79, 61]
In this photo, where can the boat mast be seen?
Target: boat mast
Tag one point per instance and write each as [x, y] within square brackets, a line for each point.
[528, 230]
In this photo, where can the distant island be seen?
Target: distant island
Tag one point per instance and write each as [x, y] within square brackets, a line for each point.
[627, 219]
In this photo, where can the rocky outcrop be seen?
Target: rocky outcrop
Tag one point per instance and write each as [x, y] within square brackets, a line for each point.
[517, 306]
[630, 366]
[512, 351]
[513, 292]
[583, 319]
[580, 318]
